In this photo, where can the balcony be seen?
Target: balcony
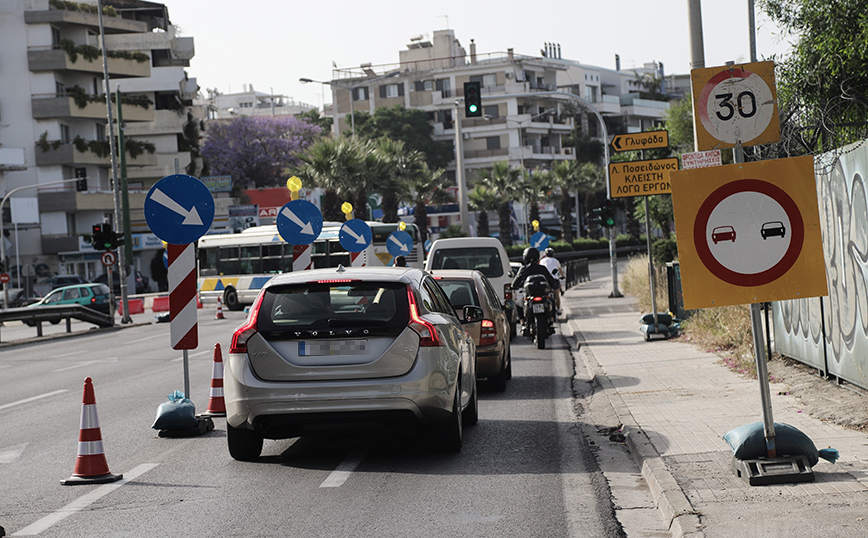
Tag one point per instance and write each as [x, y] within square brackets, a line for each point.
[608, 104]
[45, 59]
[61, 16]
[54, 106]
[67, 154]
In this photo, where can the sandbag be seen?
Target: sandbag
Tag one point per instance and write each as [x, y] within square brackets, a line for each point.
[748, 442]
[179, 413]
[662, 318]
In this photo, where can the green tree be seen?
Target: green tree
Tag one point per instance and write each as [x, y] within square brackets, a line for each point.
[423, 189]
[410, 126]
[401, 166]
[503, 179]
[323, 122]
[823, 84]
[482, 199]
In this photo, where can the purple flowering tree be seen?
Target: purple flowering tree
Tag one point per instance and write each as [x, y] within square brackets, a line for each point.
[255, 151]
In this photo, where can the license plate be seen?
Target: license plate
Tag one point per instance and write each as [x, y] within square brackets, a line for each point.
[539, 308]
[329, 348]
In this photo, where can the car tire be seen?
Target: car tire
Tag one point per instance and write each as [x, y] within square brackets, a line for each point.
[244, 445]
[498, 382]
[470, 416]
[450, 432]
[508, 363]
[230, 299]
[513, 330]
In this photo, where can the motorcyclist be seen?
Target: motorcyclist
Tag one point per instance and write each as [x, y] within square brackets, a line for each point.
[554, 266]
[531, 266]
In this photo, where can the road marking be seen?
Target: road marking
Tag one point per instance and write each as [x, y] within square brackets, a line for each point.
[140, 340]
[10, 454]
[31, 399]
[68, 354]
[344, 470]
[191, 355]
[83, 502]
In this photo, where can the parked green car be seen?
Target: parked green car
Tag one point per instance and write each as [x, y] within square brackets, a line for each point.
[95, 296]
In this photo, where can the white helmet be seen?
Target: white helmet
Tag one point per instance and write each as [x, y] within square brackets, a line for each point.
[550, 252]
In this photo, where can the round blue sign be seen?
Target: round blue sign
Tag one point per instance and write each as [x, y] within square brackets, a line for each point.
[355, 235]
[539, 241]
[399, 243]
[179, 209]
[299, 222]
[427, 245]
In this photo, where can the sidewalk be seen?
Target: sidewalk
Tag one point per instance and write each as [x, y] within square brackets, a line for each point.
[675, 403]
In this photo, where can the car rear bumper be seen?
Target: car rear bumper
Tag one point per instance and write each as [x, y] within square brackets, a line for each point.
[287, 409]
[488, 361]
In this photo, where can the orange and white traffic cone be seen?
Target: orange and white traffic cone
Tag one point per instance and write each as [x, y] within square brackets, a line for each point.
[219, 309]
[91, 466]
[216, 403]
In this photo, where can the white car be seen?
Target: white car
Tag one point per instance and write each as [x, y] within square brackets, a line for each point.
[350, 348]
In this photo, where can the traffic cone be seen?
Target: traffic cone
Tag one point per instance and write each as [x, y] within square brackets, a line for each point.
[216, 404]
[91, 466]
[198, 301]
[219, 309]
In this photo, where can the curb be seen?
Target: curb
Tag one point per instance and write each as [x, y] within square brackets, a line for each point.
[683, 520]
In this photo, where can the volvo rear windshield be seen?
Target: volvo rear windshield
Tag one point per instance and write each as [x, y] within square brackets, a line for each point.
[381, 307]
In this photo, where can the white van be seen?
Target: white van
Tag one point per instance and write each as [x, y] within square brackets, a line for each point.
[485, 254]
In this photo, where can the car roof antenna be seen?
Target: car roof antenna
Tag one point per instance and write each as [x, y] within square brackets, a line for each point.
[340, 268]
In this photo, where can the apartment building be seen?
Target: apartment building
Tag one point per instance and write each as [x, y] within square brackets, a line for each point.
[249, 102]
[529, 102]
[53, 114]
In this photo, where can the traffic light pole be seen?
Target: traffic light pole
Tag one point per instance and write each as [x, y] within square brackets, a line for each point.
[459, 170]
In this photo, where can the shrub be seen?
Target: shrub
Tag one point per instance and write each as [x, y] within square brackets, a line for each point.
[664, 251]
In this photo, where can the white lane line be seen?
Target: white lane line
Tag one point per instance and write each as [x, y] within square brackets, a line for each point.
[344, 470]
[32, 398]
[139, 340]
[68, 354]
[191, 355]
[85, 363]
[83, 502]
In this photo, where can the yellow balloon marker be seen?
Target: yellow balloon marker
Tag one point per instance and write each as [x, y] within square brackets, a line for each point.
[535, 224]
[347, 208]
[402, 226]
[294, 185]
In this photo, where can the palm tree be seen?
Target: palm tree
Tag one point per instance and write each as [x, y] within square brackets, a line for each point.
[504, 181]
[424, 188]
[483, 199]
[534, 187]
[565, 178]
[401, 166]
[322, 167]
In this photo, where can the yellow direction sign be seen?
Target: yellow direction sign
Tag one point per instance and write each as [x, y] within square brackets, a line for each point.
[748, 233]
[641, 178]
[639, 141]
[735, 104]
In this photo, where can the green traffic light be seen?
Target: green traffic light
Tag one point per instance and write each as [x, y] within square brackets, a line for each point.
[472, 108]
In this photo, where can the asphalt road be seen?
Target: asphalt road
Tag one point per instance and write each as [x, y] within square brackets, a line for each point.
[526, 469]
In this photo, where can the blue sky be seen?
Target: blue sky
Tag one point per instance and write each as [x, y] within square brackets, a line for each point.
[272, 43]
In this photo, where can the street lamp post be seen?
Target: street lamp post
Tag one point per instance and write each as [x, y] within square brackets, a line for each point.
[351, 88]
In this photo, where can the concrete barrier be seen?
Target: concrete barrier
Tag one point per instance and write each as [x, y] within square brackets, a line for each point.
[161, 304]
[137, 306]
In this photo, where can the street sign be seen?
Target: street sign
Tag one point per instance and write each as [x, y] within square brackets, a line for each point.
[5, 278]
[399, 243]
[749, 233]
[108, 258]
[539, 241]
[735, 104]
[299, 222]
[184, 328]
[641, 178]
[355, 235]
[700, 159]
[639, 141]
[179, 209]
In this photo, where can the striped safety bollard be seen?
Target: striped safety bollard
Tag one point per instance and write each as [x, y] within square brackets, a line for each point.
[184, 329]
[301, 257]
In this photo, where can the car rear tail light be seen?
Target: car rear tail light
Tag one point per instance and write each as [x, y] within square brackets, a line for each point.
[334, 281]
[488, 336]
[428, 336]
[245, 332]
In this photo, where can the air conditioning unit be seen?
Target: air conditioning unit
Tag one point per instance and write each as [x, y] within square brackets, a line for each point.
[508, 74]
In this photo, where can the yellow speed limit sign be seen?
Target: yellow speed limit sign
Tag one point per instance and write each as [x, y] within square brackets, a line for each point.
[735, 105]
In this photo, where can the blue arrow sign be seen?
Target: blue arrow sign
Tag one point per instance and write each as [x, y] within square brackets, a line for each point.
[299, 222]
[539, 241]
[427, 245]
[179, 209]
[355, 235]
[399, 243]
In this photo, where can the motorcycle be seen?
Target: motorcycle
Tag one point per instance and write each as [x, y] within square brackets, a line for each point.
[538, 310]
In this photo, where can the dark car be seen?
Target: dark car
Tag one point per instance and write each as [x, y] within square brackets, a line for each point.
[772, 228]
[141, 282]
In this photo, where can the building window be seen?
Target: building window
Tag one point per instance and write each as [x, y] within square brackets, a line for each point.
[56, 36]
[100, 131]
[64, 133]
[245, 104]
[59, 89]
[390, 91]
[491, 111]
[360, 94]
[489, 80]
[492, 142]
[424, 85]
[443, 85]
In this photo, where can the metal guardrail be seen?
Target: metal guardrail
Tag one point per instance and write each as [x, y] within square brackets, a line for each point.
[37, 314]
[577, 271]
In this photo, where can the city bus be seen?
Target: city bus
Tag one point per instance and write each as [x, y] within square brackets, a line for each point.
[234, 267]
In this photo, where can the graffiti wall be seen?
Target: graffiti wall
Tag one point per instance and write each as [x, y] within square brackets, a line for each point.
[831, 333]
